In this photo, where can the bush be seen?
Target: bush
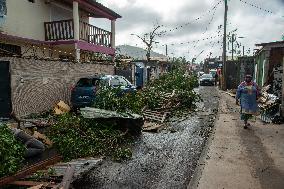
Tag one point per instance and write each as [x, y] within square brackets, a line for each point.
[11, 152]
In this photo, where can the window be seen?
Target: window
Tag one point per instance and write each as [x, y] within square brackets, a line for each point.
[88, 82]
[118, 81]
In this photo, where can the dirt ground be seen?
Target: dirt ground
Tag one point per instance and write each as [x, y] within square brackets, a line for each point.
[161, 160]
[241, 158]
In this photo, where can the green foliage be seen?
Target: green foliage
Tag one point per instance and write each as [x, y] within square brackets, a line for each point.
[122, 154]
[11, 152]
[177, 80]
[152, 94]
[77, 137]
[114, 99]
[38, 175]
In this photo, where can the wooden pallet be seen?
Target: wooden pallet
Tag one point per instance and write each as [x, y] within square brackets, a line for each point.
[155, 116]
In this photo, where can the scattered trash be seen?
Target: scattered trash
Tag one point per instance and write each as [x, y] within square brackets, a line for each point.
[61, 108]
[42, 137]
[269, 105]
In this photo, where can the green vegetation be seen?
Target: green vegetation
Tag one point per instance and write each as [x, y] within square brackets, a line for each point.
[76, 137]
[11, 152]
[114, 99]
[152, 93]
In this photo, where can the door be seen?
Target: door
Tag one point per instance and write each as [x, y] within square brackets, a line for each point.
[5, 90]
[139, 76]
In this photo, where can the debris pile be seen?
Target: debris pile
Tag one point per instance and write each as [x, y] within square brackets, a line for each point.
[277, 81]
[170, 95]
[269, 105]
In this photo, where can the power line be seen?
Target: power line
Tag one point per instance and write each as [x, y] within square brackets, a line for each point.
[255, 6]
[194, 41]
[210, 20]
[196, 19]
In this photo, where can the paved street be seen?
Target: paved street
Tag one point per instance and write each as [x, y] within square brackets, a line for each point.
[239, 158]
[161, 160]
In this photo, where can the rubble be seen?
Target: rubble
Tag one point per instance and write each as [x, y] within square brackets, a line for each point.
[269, 105]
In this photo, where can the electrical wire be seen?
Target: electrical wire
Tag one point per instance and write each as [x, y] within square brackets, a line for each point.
[196, 19]
[255, 6]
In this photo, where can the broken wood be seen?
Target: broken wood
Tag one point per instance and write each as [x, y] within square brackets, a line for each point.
[67, 179]
[32, 183]
[155, 116]
[152, 127]
[43, 137]
[33, 123]
[36, 187]
[29, 170]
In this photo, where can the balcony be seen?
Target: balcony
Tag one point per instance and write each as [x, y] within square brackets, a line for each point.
[64, 30]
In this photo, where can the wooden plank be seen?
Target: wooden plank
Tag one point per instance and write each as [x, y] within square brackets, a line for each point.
[153, 127]
[151, 114]
[67, 179]
[30, 183]
[36, 187]
[164, 117]
[29, 170]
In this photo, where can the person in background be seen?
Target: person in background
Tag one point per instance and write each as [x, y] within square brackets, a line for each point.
[216, 78]
[247, 94]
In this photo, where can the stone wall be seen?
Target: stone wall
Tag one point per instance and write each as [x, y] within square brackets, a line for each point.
[37, 85]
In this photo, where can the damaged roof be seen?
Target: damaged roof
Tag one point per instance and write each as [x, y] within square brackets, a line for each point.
[275, 43]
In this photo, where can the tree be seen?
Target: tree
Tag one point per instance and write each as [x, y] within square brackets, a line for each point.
[149, 40]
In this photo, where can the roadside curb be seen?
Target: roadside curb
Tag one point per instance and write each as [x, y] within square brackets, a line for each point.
[194, 181]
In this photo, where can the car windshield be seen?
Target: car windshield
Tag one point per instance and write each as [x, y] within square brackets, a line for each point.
[206, 76]
[87, 82]
[119, 81]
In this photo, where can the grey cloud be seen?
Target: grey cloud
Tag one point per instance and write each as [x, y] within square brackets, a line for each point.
[254, 24]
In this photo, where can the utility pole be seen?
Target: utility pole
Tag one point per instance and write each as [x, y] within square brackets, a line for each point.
[167, 52]
[233, 46]
[224, 46]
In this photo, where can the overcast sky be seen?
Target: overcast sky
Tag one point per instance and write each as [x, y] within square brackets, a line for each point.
[193, 20]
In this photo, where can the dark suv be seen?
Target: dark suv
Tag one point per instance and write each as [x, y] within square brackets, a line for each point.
[84, 92]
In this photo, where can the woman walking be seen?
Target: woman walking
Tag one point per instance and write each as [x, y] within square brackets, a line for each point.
[247, 95]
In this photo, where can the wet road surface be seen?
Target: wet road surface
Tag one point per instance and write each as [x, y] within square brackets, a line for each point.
[161, 160]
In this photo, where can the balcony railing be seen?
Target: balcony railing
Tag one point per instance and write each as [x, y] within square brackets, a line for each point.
[59, 30]
[64, 30]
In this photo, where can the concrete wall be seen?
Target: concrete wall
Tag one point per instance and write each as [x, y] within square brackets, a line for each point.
[26, 19]
[37, 85]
